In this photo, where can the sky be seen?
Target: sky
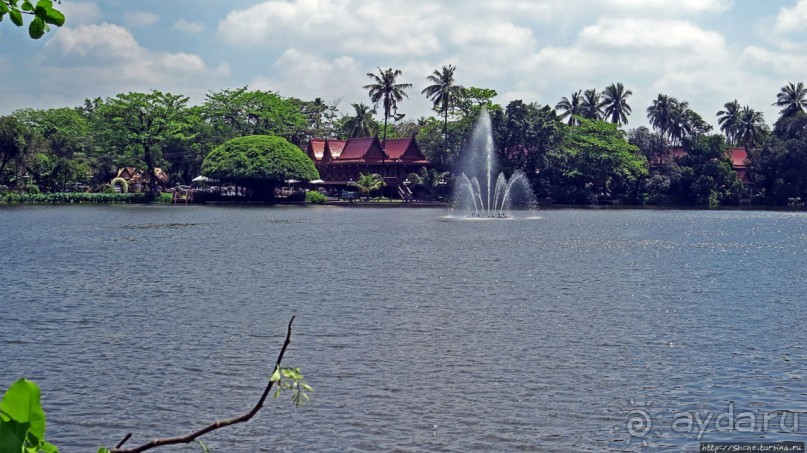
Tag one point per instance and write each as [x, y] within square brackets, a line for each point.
[706, 52]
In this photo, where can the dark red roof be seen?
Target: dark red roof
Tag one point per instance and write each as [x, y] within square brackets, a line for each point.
[362, 150]
[316, 148]
[335, 147]
[405, 149]
[738, 157]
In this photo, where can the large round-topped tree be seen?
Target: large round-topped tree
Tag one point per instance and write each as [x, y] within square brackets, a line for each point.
[260, 163]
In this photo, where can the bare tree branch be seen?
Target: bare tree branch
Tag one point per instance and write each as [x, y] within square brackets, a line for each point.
[215, 425]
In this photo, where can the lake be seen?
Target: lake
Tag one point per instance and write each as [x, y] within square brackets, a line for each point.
[589, 330]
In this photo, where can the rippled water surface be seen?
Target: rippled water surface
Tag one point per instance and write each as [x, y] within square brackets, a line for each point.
[417, 332]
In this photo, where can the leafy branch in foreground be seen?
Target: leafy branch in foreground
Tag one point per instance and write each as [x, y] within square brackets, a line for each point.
[298, 395]
[22, 420]
[44, 15]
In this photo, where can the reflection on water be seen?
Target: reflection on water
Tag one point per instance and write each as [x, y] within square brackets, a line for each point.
[417, 334]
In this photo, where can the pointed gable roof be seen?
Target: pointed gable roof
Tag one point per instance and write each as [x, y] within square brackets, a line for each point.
[316, 148]
[405, 149]
[335, 148]
[362, 150]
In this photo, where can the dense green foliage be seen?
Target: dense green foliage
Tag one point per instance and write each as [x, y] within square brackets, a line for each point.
[22, 420]
[314, 197]
[779, 167]
[261, 162]
[82, 198]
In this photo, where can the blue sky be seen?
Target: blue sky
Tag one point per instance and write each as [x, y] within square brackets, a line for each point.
[707, 52]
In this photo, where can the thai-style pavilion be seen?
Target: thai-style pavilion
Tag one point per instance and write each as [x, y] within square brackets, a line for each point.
[341, 161]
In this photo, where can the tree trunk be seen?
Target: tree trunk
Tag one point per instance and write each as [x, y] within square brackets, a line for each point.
[152, 185]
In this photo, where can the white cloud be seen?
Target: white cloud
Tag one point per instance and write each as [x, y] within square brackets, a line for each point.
[107, 59]
[79, 13]
[141, 18]
[783, 63]
[307, 75]
[792, 19]
[187, 26]
[654, 34]
[105, 41]
[684, 6]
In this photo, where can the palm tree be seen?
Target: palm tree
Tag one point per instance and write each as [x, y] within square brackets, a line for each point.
[592, 105]
[570, 107]
[428, 179]
[361, 124]
[615, 101]
[660, 113]
[385, 89]
[728, 120]
[792, 98]
[750, 128]
[368, 183]
[681, 124]
[443, 92]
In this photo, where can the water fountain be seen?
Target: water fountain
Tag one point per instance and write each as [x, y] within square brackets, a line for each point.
[476, 193]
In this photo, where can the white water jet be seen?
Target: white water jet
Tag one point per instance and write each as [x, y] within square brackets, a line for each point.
[488, 198]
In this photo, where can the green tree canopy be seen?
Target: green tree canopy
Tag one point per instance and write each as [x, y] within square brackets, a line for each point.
[779, 167]
[144, 121]
[261, 162]
[12, 141]
[597, 160]
[241, 112]
[705, 175]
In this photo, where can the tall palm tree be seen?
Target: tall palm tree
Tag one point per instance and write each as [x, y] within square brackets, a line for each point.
[660, 113]
[750, 128]
[792, 98]
[615, 101]
[728, 120]
[592, 105]
[361, 124]
[443, 92]
[385, 89]
[681, 124]
[570, 107]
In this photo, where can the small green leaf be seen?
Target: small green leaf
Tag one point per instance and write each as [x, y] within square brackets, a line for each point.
[48, 447]
[27, 6]
[306, 387]
[37, 28]
[54, 17]
[3, 8]
[277, 392]
[16, 17]
[275, 376]
[103, 450]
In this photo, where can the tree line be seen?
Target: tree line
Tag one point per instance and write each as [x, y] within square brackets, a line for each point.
[576, 151]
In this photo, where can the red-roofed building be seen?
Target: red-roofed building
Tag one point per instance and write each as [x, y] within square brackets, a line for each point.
[341, 161]
[739, 161]
[738, 156]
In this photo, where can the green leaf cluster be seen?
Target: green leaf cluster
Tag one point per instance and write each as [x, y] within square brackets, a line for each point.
[291, 379]
[43, 11]
[22, 420]
[314, 197]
